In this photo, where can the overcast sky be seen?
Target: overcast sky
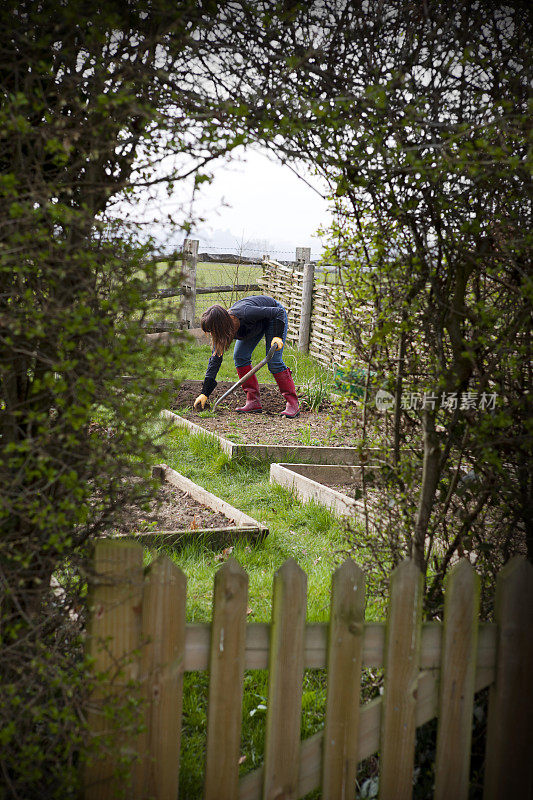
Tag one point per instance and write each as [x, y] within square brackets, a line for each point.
[257, 199]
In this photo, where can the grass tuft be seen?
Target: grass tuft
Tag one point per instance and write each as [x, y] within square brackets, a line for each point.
[204, 446]
[317, 391]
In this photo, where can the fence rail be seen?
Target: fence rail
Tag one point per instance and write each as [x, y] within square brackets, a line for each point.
[186, 290]
[141, 648]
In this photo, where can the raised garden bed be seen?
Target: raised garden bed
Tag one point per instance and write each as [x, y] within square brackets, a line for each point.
[333, 486]
[316, 437]
[183, 512]
[312, 454]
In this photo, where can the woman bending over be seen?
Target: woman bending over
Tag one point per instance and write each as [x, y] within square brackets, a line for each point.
[248, 321]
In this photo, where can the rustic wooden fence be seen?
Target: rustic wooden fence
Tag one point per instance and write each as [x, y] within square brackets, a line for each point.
[142, 646]
[191, 307]
[310, 304]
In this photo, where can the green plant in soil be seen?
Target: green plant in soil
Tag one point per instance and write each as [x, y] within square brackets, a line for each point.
[306, 438]
[317, 391]
[306, 370]
[206, 414]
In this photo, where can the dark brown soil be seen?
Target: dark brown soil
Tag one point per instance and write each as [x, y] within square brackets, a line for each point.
[321, 428]
[171, 510]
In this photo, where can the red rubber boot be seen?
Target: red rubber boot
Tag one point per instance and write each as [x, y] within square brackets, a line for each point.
[251, 387]
[288, 390]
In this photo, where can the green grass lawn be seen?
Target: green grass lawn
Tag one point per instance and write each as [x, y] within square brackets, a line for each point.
[308, 533]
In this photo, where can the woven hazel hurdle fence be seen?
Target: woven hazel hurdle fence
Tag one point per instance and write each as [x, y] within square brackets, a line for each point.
[138, 638]
[312, 327]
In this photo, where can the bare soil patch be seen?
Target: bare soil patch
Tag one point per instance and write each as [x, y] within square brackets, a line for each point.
[350, 489]
[171, 510]
[320, 428]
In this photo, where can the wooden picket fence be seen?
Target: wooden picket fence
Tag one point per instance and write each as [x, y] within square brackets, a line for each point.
[141, 644]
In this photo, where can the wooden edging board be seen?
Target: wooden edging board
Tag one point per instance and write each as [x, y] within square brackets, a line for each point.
[267, 452]
[305, 480]
[218, 538]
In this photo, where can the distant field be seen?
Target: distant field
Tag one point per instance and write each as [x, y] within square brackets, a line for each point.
[212, 274]
[209, 274]
[226, 274]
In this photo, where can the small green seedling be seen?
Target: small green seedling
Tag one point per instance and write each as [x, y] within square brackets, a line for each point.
[207, 412]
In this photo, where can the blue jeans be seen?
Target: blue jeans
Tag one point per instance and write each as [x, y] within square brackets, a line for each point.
[242, 353]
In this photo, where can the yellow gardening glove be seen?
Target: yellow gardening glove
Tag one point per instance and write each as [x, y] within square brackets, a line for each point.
[201, 400]
[277, 341]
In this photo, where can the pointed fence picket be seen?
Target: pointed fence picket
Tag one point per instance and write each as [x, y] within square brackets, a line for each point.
[114, 636]
[286, 667]
[402, 658]
[345, 647]
[141, 647]
[458, 671]
[226, 669]
[161, 679]
[509, 771]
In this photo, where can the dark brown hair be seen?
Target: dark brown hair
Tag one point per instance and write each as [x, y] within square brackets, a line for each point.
[217, 321]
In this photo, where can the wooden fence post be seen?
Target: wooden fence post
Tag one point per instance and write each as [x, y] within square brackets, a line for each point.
[509, 752]
[401, 664]
[458, 673]
[189, 263]
[162, 667]
[303, 258]
[286, 666]
[303, 255]
[113, 641]
[226, 674]
[345, 645]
